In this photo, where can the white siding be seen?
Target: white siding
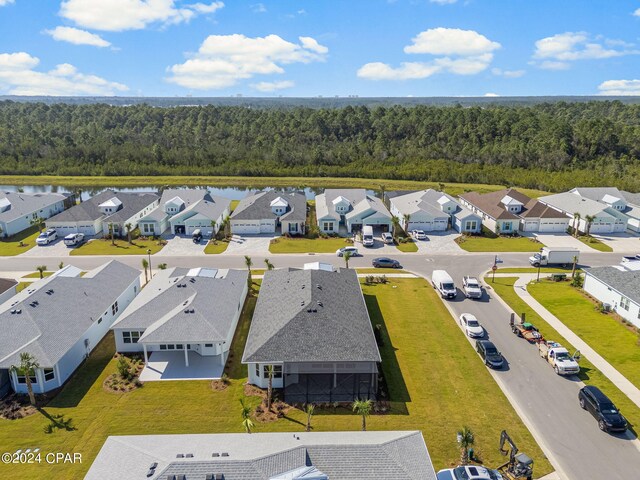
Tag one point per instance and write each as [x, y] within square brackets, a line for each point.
[605, 294]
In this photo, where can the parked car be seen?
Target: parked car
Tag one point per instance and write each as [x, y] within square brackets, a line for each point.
[387, 238]
[471, 287]
[419, 235]
[489, 354]
[74, 239]
[603, 410]
[352, 250]
[384, 262]
[471, 325]
[469, 472]
[443, 282]
[196, 236]
[46, 237]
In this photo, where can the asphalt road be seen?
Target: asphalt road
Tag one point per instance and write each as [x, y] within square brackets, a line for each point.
[546, 402]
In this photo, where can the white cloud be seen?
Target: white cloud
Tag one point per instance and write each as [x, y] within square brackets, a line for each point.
[258, 8]
[272, 86]
[555, 52]
[443, 2]
[620, 87]
[636, 13]
[5, 2]
[223, 60]
[461, 52]
[508, 73]
[490, 94]
[77, 37]
[18, 77]
[119, 15]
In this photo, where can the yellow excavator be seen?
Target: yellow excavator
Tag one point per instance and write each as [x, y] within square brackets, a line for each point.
[519, 466]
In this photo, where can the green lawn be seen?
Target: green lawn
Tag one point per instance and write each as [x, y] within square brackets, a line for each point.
[503, 286]
[121, 247]
[37, 275]
[216, 248]
[595, 243]
[234, 204]
[606, 335]
[380, 271]
[304, 245]
[483, 243]
[432, 372]
[407, 247]
[11, 246]
[535, 270]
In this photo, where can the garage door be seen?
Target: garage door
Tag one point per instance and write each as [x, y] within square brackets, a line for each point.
[532, 226]
[267, 226]
[440, 225]
[245, 228]
[206, 231]
[426, 226]
[554, 227]
[601, 228]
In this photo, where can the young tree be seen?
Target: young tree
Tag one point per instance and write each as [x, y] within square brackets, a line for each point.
[309, 411]
[268, 264]
[270, 371]
[213, 229]
[576, 224]
[111, 233]
[362, 408]
[38, 222]
[395, 223]
[346, 256]
[245, 413]
[128, 226]
[573, 269]
[249, 263]
[41, 269]
[28, 364]
[145, 265]
[465, 441]
[589, 219]
[60, 265]
[407, 218]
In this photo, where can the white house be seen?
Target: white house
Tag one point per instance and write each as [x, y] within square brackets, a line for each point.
[18, 210]
[351, 208]
[93, 217]
[268, 211]
[617, 287]
[185, 210]
[620, 201]
[432, 211]
[60, 320]
[183, 316]
[508, 210]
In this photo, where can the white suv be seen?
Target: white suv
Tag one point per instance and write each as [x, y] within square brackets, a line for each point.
[387, 237]
[352, 250]
[46, 237]
[419, 234]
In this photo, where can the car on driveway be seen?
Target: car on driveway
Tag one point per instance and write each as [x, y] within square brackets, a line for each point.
[387, 238]
[352, 250]
[384, 262]
[471, 325]
[489, 354]
[46, 237]
[469, 472]
[603, 410]
[419, 235]
[74, 239]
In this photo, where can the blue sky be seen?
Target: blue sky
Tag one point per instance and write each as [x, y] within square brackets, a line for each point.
[320, 47]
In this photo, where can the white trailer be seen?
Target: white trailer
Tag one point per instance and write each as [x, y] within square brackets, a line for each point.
[555, 256]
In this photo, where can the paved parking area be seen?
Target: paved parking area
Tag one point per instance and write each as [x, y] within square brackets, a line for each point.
[249, 245]
[620, 242]
[178, 246]
[439, 242]
[562, 240]
[55, 249]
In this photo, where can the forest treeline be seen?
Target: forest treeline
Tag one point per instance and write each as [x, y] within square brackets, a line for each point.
[551, 146]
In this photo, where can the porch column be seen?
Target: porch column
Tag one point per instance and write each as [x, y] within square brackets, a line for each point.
[186, 356]
[221, 355]
[146, 358]
[56, 371]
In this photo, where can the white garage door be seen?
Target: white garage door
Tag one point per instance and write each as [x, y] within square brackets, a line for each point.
[532, 226]
[426, 226]
[268, 226]
[245, 228]
[555, 227]
[601, 228]
[440, 225]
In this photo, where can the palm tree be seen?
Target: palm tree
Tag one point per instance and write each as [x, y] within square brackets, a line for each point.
[268, 264]
[575, 263]
[1, 231]
[60, 265]
[362, 408]
[247, 423]
[465, 441]
[111, 232]
[145, 265]
[576, 224]
[213, 228]
[249, 263]
[309, 411]
[395, 222]
[41, 269]
[270, 371]
[346, 256]
[128, 226]
[407, 218]
[589, 219]
[38, 222]
[28, 364]
[226, 226]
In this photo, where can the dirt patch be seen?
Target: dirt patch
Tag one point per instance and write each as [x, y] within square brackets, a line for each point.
[278, 410]
[253, 391]
[15, 407]
[219, 385]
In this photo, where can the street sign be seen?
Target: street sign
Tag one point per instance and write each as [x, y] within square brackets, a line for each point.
[494, 268]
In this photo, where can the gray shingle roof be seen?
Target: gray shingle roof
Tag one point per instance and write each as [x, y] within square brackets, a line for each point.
[358, 198]
[257, 205]
[88, 210]
[423, 200]
[196, 201]
[284, 330]
[571, 203]
[60, 319]
[6, 284]
[159, 309]
[23, 204]
[625, 282]
[261, 456]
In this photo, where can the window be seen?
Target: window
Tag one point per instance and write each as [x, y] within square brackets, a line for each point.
[49, 374]
[114, 308]
[624, 303]
[471, 225]
[171, 347]
[179, 346]
[163, 347]
[22, 379]
[506, 227]
[131, 337]
[257, 370]
[327, 226]
[208, 345]
[100, 320]
[277, 371]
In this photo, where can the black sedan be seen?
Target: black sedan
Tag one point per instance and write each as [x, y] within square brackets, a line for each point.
[604, 411]
[489, 354]
[384, 262]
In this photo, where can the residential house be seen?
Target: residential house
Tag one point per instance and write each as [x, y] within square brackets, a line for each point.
[617, 287]
[508, 210]
[18, 210]
[184, 315]
[626, 203]
[7, 290]
[265, 212]
[432, 211]
[606, 219]
[350, 208]
[351, 455]
[313, 327]
[93, 216]
[60, 319]
[184, 210]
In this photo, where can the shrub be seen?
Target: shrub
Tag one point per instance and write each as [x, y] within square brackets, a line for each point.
[124, 368]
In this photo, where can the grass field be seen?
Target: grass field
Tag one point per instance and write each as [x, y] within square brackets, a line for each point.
[618, 344]
[595, 244]
[432, 372]
[498, 244]
[407, 247]
[11, 246]
[37, 274]
[535, 270]
[121, 247]
[256, 182]
[219, 247]
[380, 271]
[503, 286]
[304, 245]
[234, 204]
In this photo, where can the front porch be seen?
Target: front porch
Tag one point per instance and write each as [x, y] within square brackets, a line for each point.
[163, 365]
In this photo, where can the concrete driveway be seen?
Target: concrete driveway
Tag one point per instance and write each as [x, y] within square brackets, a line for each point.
[181, 246]
[562, 240]
[249, 245]
[620, 242]
[439, 242]
[55, 249]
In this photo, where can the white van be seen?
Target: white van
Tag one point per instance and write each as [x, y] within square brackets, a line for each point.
[443, 282]
[367, 236]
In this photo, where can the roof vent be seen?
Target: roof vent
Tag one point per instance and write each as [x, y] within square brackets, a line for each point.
[303, 285]
[225, 454]
[19, 311]
[192, 311]
[193, 280]
[308, 310]
[189, 455]
[319, 303]
[314, 310]
[13, 311]
[319, 286]
[180, 455]
[152, 469]
[186, 311]
[215, 455]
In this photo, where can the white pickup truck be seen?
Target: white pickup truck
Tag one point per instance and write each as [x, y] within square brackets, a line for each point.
[471, 287]
[559, 358]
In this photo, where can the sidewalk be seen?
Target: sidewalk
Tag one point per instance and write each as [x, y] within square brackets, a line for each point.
[608, 370]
